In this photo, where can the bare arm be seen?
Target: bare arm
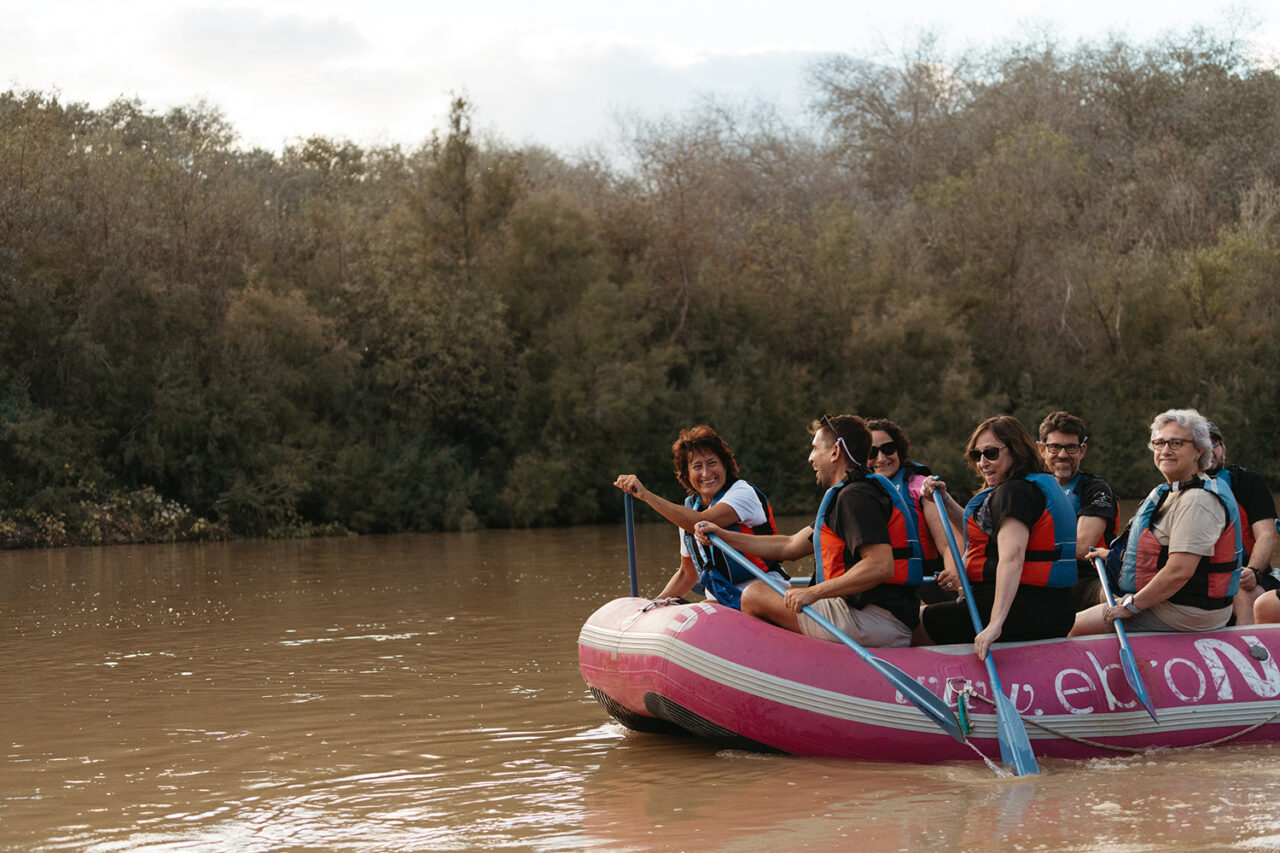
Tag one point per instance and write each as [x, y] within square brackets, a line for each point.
[1175, 573]
[678, 514]
[1012, 542]
[682, 581]
[874, 566]
[1089, 529]
[1264, 543]
[775, 547]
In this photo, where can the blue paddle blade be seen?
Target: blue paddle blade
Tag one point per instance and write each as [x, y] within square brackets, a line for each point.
[1015, 743]
[926, 700]
[1128, 664]
[1130, 668]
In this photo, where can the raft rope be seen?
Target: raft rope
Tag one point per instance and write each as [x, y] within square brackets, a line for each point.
[1132, 750]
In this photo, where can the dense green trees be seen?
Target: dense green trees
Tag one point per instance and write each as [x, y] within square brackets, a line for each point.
[199, 340]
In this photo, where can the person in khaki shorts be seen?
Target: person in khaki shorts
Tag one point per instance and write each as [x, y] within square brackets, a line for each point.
[866, 590]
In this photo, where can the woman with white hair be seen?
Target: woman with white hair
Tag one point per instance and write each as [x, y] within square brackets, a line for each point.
[1182, 560]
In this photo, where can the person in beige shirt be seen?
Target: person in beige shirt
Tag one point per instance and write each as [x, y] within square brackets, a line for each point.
[1183, 567]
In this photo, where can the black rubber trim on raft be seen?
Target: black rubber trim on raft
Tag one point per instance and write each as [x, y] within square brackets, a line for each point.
[661, 706]
[634, 721]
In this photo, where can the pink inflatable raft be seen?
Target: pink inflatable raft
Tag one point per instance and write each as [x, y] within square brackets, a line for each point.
[709, 670]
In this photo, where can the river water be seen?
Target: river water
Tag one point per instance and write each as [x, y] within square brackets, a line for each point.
[422, 693]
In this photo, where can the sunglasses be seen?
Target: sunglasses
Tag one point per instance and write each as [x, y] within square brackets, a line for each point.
[992, 453]
[888, 449]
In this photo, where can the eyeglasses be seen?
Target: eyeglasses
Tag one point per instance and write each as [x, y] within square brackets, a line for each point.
[888, 449]
[1171, 443]
[1069, 449]
[992, 453]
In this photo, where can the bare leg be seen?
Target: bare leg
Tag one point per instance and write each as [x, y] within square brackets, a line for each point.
[1090, 622]
[1267, 607]
[1242, 605]
[760, 601]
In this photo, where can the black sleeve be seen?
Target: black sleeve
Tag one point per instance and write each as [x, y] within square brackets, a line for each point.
[861, 516]
[1253, 495]
[1097, 499]
[1018, 499]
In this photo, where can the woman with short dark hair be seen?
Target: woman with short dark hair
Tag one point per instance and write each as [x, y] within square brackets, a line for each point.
[707, 469]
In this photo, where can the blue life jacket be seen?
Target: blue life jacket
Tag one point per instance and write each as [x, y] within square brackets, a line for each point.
[904, 537]
[1050, 556]
[717, 573]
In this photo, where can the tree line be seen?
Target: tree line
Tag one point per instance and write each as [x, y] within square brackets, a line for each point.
[198, 340]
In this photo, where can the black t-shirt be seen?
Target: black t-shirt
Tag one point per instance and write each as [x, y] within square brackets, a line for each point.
[1017, 499]
[1254, 498]
[1097, 501]
[860, 516]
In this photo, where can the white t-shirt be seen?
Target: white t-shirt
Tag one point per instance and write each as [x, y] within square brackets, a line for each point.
[745, 502]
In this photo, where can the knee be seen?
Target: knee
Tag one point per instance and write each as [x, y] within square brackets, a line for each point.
[1267, 607]
[756, 598]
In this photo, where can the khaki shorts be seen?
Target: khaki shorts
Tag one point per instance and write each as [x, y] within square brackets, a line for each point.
[871, 626]
[1164, 616]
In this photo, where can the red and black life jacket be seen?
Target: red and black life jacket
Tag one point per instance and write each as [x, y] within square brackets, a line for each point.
[1217, 576]
[1050, 556]
[903, 537]
[711, 563]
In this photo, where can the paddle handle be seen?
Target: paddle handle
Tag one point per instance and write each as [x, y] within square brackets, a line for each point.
[631, 543]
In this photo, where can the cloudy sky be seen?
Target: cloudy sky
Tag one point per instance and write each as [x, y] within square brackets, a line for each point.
[379, 71]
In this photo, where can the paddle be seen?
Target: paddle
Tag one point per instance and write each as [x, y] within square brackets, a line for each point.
[1015, 744]
[928, 703]
[1127, 662]
[631, 543]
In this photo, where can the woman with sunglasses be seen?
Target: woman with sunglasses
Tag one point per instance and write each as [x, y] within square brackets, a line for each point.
[1183, 552]
[707, 469]
[890, 457]
[1020, 546]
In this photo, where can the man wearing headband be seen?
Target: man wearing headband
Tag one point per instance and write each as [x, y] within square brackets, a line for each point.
[867, 587]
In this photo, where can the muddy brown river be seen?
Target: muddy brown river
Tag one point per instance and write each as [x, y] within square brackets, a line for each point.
[422, 693]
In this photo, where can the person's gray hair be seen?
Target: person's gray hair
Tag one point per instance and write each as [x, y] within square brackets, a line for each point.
[1199, 426]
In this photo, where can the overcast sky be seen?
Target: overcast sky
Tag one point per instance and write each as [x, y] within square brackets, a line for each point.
[379, 71]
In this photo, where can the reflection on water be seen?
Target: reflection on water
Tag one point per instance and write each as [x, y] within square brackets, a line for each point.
[422, 693]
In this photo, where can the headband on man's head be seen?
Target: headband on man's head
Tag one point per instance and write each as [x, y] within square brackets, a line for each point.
[826, 421]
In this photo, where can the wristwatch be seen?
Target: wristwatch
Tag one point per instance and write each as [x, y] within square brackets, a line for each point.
[1129, 604]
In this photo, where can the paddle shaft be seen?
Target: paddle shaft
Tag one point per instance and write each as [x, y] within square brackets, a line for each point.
[1128, 664]
[928, 702]
[631, 543]
[1015, 744]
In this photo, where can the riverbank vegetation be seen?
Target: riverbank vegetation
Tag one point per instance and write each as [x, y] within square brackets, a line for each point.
[201, 341]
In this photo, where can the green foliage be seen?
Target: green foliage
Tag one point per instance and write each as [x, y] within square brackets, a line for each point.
[199, 341]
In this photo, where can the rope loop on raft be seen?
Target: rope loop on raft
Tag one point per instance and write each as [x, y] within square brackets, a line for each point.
[1131, 750]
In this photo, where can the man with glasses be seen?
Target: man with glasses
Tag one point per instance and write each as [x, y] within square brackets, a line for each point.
[1257, 527]
[1063, 444]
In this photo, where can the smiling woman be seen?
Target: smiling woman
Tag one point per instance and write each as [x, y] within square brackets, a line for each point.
[1182, 560]
[1020, 554]
[707, 469]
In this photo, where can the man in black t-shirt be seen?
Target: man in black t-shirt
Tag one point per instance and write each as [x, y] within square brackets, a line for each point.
[1257, 528]
[1063, 444]
[856, 592]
